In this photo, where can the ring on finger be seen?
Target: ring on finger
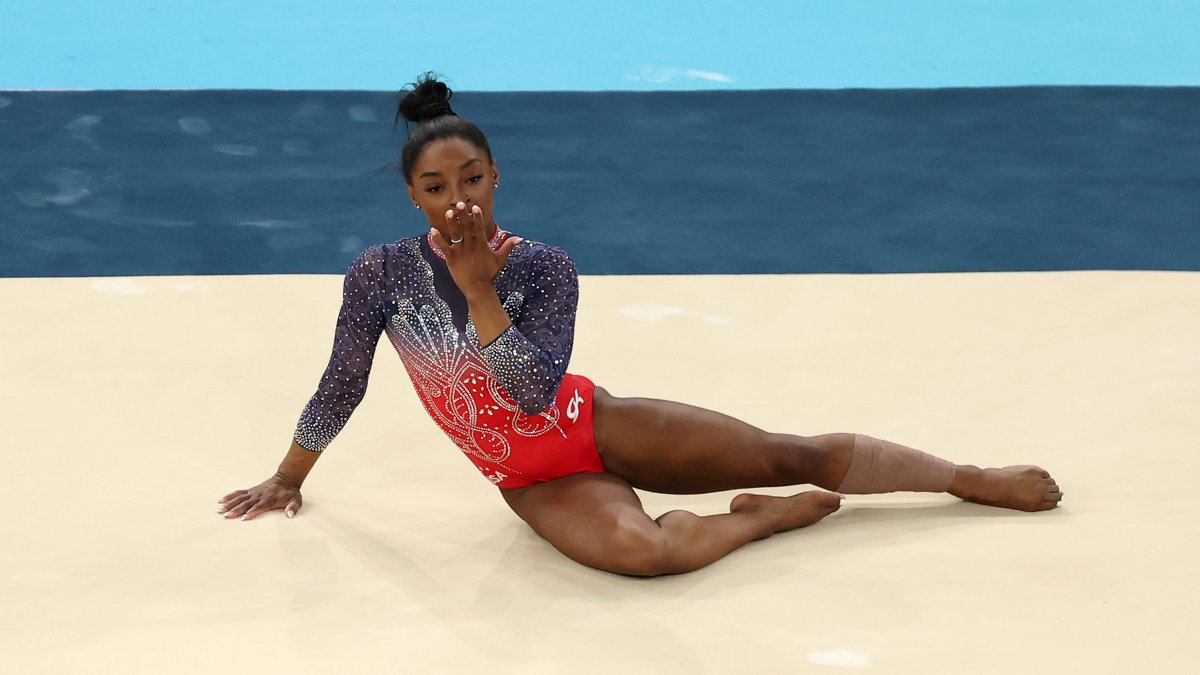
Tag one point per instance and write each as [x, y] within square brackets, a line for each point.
[456, 241]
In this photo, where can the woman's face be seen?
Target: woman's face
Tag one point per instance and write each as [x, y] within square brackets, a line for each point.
[449, 171]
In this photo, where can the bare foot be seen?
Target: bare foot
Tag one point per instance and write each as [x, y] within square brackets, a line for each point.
[788, 513]
[1024, 487]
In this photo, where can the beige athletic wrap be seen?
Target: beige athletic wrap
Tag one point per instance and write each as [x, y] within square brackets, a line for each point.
[883, 466]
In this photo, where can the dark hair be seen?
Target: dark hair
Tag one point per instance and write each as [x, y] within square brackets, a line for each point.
[427, 104]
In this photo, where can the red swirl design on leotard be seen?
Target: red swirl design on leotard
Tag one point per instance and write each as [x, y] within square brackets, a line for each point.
[453, 382]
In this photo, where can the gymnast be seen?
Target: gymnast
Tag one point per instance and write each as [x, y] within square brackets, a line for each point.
[484, 323]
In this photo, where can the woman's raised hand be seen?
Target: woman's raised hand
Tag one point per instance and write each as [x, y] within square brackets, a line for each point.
[464, 241]
[273, 493]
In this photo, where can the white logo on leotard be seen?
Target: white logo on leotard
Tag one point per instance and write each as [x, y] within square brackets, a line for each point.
[573, 407]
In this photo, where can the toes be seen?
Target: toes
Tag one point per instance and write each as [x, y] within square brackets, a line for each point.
[827, 500]
[1052, 500]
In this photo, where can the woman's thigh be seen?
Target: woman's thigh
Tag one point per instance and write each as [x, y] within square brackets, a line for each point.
[593, 518]
[664, 446]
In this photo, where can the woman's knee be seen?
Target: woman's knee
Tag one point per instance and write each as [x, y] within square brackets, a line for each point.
[822, 460]
[637, 549]
[804, 459]
[787, 458]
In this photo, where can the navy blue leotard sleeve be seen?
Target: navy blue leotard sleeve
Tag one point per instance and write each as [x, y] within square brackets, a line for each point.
[531, 357]
[359, 325]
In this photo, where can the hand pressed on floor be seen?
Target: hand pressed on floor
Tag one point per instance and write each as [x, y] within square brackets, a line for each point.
[273, 493]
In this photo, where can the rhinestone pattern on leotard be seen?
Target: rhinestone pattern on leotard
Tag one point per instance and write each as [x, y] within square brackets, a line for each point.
[483, 398]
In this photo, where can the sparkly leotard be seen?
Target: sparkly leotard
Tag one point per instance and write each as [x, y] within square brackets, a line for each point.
[510, 405]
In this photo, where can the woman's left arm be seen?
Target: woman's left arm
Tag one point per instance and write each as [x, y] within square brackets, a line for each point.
[530, 357]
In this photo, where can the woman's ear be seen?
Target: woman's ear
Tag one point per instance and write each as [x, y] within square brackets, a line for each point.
[495, 176]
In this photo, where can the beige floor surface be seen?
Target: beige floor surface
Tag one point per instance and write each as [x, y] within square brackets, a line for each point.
[130, 405]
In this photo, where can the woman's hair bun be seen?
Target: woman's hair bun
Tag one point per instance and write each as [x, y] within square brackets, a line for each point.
[427, 103]
[428, 98]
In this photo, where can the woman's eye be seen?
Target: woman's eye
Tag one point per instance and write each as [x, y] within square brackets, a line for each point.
[475, 179]
[435, 188]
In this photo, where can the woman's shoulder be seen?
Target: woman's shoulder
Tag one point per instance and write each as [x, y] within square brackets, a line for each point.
[538, 253]
[538, 264]
[381, 265]
[378, 254]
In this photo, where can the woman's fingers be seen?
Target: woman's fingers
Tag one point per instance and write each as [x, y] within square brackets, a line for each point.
[266, 496]
[466, 221]
[261, 506]
[241, 508]
[464, 225]
[454, 225]
[231, 495]
[440, 239]
[478, 227]
[233, 503]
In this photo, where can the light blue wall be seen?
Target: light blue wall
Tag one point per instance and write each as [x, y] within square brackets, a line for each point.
[610, 44]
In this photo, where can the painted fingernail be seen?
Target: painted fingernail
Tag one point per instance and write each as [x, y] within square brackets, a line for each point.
[220, 510]
[291, 513]
[244, 517]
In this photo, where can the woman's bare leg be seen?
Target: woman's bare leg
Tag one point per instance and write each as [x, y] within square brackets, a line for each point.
[597, 519]
[669, 447]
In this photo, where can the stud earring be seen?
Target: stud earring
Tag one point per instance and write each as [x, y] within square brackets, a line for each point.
[416, 205]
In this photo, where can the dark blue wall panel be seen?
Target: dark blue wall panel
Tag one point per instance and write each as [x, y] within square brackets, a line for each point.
[785, 181]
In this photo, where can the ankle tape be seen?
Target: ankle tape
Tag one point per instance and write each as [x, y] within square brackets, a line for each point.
[882, 466]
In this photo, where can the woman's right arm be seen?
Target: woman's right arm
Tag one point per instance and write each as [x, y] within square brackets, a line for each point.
[343, 385]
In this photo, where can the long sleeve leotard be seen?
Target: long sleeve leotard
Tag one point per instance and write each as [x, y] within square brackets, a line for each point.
[489, 399]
